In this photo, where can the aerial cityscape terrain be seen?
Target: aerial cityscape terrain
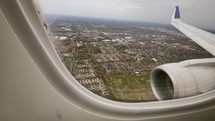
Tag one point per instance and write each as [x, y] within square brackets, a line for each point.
[114, 58]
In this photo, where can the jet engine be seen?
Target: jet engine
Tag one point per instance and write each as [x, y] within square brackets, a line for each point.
[183, 79]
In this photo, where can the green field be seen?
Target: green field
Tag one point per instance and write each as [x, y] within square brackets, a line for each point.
[131, 88]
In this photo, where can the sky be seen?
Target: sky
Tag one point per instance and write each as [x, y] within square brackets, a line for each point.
[199, 13]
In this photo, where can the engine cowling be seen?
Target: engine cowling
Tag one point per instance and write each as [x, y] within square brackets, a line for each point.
[187, 78]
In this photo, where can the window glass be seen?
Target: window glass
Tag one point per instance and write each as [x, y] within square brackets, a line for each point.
[111, 47]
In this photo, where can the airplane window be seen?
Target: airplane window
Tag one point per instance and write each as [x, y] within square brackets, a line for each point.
[111, 47]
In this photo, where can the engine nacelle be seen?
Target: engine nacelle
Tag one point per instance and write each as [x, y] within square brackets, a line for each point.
[187, 78]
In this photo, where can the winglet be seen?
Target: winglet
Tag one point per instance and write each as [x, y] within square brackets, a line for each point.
[176, 14]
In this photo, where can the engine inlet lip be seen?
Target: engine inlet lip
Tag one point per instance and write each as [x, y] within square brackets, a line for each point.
[172, 80]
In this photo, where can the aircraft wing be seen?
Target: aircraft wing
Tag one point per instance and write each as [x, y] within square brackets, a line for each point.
[201, 37]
